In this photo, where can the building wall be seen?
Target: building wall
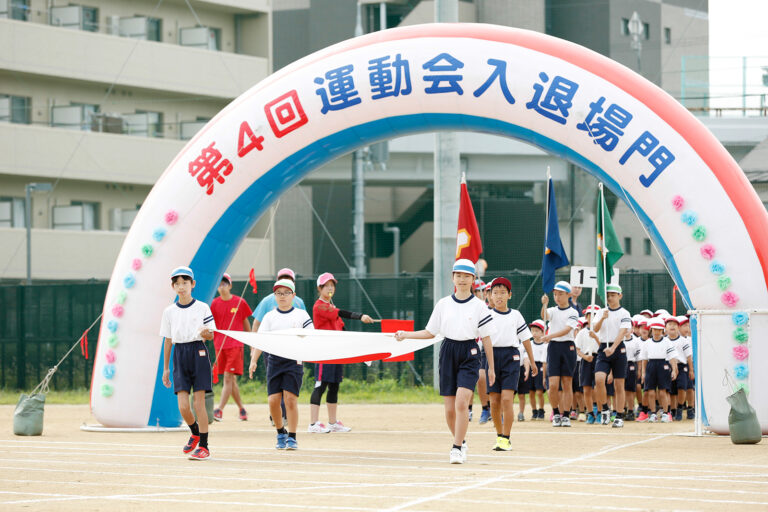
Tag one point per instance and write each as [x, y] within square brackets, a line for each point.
[527, 14]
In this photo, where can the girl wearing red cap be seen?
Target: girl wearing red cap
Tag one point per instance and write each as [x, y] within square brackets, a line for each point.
[328, 376]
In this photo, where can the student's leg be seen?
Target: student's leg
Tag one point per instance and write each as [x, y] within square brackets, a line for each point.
[554, 396]
[463, 396]
[202, 413]
[496, 411]
[184, 408]
[314, 400]
[274, 409]
[650, 397]
[236, 393]
[540, 394]
[291, 410]
[508, 407]
[567, 394]
[521, 401]
[450, 413]
[619, 397]
[588, 397]
[332, 400]
[601, 393]
[482, 392]
[226, 390]
[664, 400]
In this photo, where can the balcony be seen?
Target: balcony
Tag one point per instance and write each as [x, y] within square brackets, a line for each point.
[94, 57]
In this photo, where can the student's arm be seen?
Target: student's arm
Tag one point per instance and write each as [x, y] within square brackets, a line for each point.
[531, 361]
[166, 362]
[619, 338]
[355, 316]
[544, 303]
[255, 327]
[255, 353]
[599, 323]
[691, 374]
[551, 336]
[527, 368]
[488, 347]
[246, 325]
[414, 335]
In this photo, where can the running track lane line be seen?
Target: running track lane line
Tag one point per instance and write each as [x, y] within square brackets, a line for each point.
[520, 473]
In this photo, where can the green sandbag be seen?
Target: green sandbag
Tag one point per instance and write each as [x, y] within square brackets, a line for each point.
[742, 420]
[209, 397]
[28, 416]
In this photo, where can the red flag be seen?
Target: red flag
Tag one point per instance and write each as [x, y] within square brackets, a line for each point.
[252, 279]
[392, 325]
[468, 244]
[84, 344]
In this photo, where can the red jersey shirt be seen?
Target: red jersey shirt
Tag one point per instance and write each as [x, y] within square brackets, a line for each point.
[325, 316]
[229, 316]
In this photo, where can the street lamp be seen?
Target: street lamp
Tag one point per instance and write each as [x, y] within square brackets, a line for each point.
[39, 187]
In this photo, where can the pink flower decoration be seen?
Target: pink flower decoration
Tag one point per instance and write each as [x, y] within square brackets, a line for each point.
[730, 299]
[111, 356]
[740, 352]
[171, 217]
[708, 251]
[678, 203]
[136, 264]
[117, 310]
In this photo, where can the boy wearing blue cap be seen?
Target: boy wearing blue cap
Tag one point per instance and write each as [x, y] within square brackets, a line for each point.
[461, 318]
[184, 326]
[561, 352]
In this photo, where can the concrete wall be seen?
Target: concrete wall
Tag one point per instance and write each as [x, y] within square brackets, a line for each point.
[689, 46]
[527, 14]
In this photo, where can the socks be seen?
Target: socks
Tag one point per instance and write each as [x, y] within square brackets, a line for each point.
[195, 429]
[292, 435]
[505, 437]
[204, 440]
[457, 447]
[282, 430]
[556, 410]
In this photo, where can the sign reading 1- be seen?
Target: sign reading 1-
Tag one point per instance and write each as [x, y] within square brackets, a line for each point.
[586, 277]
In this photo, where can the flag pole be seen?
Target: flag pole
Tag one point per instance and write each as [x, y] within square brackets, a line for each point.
[546, 223]
[603, 248]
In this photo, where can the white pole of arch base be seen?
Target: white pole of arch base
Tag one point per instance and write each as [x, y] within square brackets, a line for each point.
[446, 198]
[698, 418]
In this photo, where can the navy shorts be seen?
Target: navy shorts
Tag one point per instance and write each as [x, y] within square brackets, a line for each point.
[630, 381]
[329, 372]
[284, 375]
[191, 367]
[681, 382]
[459, 366]
[587, 373]
[657, 375]
[524, 386]
[616, 363]
[538, 383]
[561, 359]
[506, 364]
[692, 383]
[576, 383]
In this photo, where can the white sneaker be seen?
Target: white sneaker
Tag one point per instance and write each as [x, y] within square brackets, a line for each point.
[456, 457]
[565, 421]
[653, 418]
[318, 428]
[618, 423]
[605, 417]
[665, 418]
[464, 450]
[338, 427]
[557, 420]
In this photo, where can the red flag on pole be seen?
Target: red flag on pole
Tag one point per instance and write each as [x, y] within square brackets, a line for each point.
[468, 244]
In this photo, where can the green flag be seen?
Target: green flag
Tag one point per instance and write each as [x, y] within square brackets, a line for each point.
[608, 246]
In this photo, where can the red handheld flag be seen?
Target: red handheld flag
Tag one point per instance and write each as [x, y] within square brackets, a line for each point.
[84, 344]
[252, 280]
[392, 325]
[468, 244]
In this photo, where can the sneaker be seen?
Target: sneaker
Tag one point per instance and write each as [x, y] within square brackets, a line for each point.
[590, 418]
[557, 420]
[679, 414]
[497, 445]
[630, 416]
[582, 417]
[565, 421]
[652, 418]
[464, 450]
[666, 418]
[485, 416]
[291, 444]
[503, 445]
[318, 428]
[618, 423]
[642, 417]
[574, 415]
[691, 413]
[200, 454]
[455, 457]
[595, 411]
[243, 415]
[470, 415]
[520, 416]
[338, 427]
[281, 438]
[217, 414]
[605, 418]
[191, 444]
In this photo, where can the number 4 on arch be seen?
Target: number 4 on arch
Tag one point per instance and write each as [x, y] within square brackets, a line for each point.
[246, 140]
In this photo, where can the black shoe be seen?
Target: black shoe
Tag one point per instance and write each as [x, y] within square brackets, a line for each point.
[691, 414]
[630, 416]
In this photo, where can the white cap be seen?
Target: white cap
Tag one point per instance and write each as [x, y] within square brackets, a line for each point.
[464, 266]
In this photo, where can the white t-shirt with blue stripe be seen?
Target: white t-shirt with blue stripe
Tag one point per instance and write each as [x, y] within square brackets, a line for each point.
[183, 323]
[560, 318]
[461, 320]
[511, 329]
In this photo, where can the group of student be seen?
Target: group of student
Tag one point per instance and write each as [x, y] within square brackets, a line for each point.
[188, 322]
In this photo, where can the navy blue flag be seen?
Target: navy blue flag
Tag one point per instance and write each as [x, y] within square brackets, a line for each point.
[554, 253]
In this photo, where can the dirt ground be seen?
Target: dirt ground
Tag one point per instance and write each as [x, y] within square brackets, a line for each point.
[395, 458]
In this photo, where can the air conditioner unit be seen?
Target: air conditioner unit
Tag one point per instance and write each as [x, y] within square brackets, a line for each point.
[135, 28]
[198, 37]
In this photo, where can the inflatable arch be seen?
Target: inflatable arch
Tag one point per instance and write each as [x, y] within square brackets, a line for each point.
[696, 203]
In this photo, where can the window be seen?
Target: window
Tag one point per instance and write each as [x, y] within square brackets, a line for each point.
[79, 216]
[12, 212]
[627, 245]
[200, 37]
[14, 109]
[625, 26]
[667, 35]
[646, 31]
[154, 29]
[14, 9]
[140, 27]
[144, 123]
[122, 218]
[188, 129]
[77, 116]
[647, 247]
[77, 17]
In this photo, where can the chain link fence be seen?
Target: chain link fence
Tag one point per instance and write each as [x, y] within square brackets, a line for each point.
[40, 322]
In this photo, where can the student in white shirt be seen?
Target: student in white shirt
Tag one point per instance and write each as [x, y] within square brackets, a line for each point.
[539, 382]
[690, 394]
[461, 318]
[587, 344]
[658, 371]
[684, 360]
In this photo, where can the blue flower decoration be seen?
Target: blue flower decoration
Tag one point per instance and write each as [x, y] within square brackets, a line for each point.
[159, 234]
[688, 217]
[109, 371]
[717, 268]
[112, 325]
[129, 281]
[740, 318]
[741, 371]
